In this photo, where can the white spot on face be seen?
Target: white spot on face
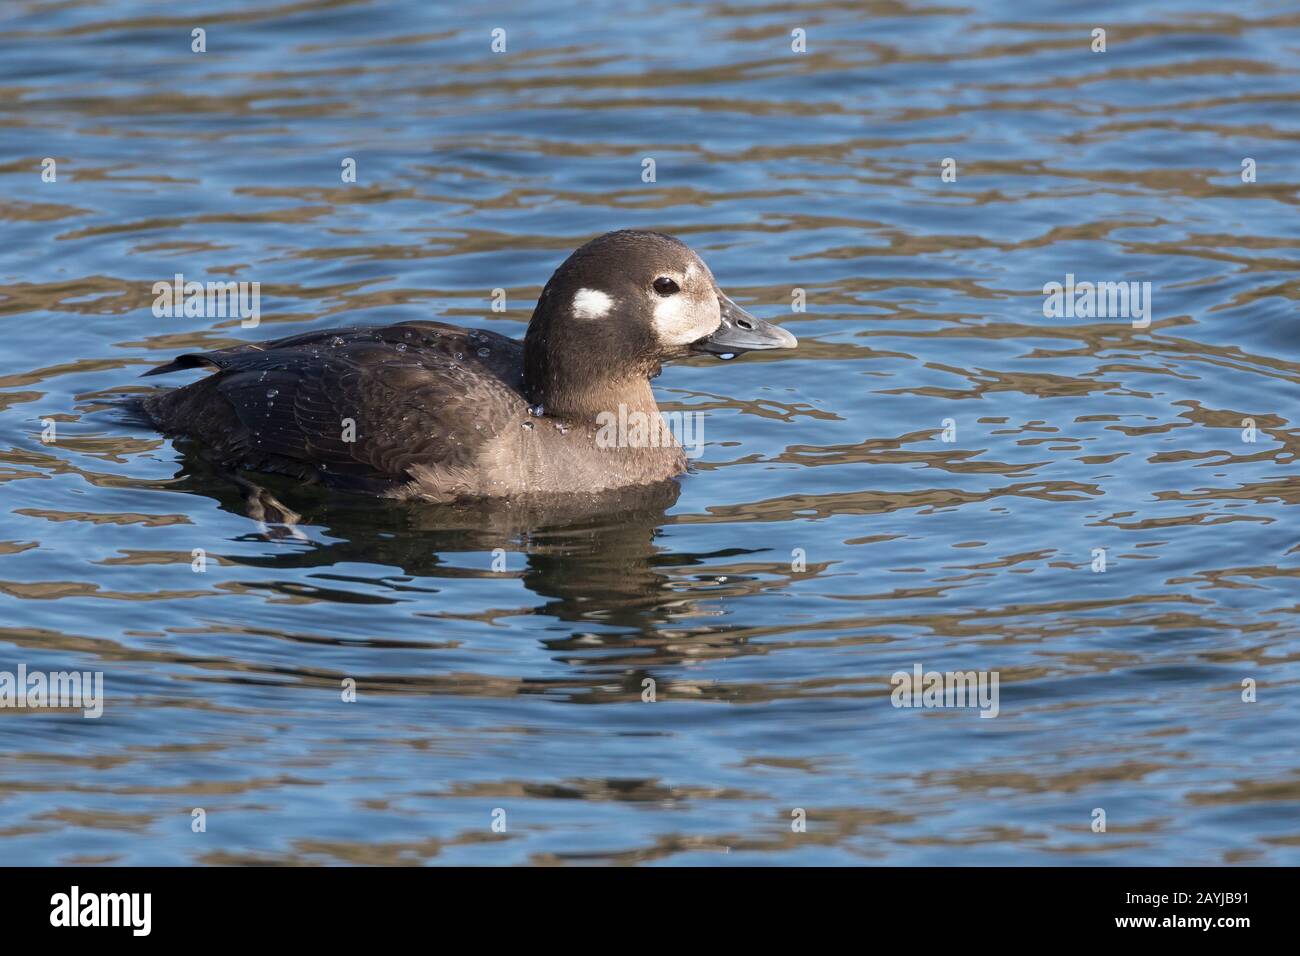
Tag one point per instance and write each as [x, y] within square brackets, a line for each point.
[682, 318]
[591, 304]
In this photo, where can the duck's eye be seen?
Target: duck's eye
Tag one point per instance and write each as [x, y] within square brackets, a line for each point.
[666, 286]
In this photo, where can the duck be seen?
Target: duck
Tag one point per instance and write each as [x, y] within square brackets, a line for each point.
[423, 410]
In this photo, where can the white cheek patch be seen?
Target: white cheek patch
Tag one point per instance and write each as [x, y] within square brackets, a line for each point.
[679, 321]
[591, 304]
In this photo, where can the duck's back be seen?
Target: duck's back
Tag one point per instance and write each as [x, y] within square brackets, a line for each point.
[358, 408]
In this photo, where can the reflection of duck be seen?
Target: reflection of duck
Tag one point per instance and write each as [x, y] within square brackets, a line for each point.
[435, 412]
[591, 557]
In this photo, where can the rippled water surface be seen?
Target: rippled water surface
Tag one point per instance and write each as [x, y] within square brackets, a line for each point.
[828, 537]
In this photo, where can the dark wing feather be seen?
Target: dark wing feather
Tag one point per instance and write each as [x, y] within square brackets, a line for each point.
[417, 394]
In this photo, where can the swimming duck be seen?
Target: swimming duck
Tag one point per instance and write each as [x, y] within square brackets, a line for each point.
[424, 410]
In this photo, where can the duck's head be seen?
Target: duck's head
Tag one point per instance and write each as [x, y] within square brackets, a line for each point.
[619, 307]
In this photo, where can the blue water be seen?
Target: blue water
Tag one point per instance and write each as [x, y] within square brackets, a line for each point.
[828, 537]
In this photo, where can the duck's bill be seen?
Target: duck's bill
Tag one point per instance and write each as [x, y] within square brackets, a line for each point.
[741, 332]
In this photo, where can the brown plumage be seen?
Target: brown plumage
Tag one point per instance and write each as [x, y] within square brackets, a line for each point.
[433, 411]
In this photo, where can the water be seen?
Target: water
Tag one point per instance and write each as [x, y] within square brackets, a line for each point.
[521, 690]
